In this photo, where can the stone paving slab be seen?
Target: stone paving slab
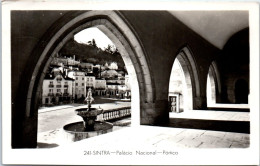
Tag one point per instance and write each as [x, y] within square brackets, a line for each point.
[159, 137]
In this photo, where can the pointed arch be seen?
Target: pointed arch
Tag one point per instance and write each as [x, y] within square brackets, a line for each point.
[191, 79]
[118, 31]
[213, 84]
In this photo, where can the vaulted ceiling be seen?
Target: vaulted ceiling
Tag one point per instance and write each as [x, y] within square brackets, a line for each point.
[214, 26]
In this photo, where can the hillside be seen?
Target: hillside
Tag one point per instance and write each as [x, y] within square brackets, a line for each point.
[90, 53]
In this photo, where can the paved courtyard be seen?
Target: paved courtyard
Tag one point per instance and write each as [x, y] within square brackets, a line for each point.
[189, 129]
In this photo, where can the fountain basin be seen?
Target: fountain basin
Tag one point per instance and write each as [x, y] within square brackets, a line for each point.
[89, 112]
[76, 131]
[89, 116]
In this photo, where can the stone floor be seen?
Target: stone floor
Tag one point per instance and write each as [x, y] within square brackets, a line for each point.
[164, 138]
[189, 129]
[186, 140]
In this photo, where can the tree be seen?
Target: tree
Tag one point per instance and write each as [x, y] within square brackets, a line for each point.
[92, 43]
[109, 49]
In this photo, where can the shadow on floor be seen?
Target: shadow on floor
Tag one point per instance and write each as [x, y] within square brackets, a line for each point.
[216, 125]
[228, 109]
[46, 145]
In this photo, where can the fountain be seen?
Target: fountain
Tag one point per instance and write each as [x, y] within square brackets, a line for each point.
[89, 127]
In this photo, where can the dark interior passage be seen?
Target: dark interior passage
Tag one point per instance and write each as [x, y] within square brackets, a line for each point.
[216, 125]
[241, 91]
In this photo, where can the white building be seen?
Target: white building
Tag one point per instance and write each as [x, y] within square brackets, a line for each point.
[64, 61]
[58, 89]
[109, 73]
[112, 88]
[113, 66]
[100, 87]
[119, 81]
[80, 83]
[90, 80]
[100, 84]
[72, 61]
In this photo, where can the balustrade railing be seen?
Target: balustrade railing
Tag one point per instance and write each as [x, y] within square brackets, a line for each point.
[114, 113]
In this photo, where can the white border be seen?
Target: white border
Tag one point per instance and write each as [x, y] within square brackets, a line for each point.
[246, 156]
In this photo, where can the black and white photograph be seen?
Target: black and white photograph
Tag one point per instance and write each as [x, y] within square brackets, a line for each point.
[131, 83]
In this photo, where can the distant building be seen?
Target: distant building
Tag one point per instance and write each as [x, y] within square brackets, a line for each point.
[113, 66]
[100, 87]
[113, 80]
[58, 61]
[57, 89]
[109, 73]
[87, 66]
[127, 87]
[100, 84]
[62, 61]
[90, 80]
[100, 67]
[112, 88]
[72, 61]
[127, 82]
[80, 84]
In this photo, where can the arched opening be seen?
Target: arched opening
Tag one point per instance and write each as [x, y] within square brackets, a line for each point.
[88, 60]
[211, 89]
[241, 91]
[213, 85]
[183, 86]
[178, 88]
[120, 34]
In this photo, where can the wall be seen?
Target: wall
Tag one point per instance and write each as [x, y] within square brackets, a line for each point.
[234, 62]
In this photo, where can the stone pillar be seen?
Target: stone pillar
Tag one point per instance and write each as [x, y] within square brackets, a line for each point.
[200, 103]
[155, 113]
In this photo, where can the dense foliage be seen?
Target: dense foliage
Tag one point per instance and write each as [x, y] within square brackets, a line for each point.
[91, 53]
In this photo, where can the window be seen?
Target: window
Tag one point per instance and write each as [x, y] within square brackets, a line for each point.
[87, 79]
[65, 90]
[66, 83]
[82, 89]
[51, 82]
[58, 90]
[50, 90]
[82, 78]
[76, 78]
[76, 84]
[82, 84]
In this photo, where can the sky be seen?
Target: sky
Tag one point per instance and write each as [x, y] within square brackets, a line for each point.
[93, 33]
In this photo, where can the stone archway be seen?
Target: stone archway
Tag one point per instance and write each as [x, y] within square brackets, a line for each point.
[213, 85]
[189, 99]
[122, 36]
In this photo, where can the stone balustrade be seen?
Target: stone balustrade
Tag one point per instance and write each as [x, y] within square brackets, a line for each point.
[114, 113]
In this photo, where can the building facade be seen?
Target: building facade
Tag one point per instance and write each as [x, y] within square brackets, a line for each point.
[80, 83]
[57, 90]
